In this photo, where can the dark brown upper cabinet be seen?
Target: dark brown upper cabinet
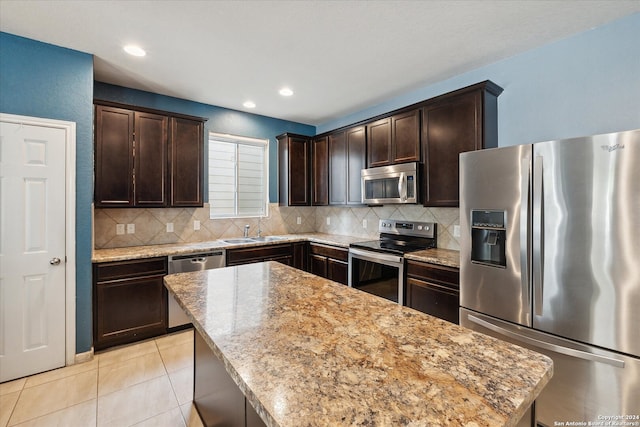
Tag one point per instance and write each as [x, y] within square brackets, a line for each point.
[463, 120]
[150, 160]
[294, 170]
[147, 158]
[394, 139]
[405, 137]
[338, 168]
[379, 143]
[347, 157]
[114, 157]
[187, 169]
[320, 171]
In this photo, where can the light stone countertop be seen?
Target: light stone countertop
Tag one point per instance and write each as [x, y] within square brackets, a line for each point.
[150, 251]
[444, 257]
[308, 351]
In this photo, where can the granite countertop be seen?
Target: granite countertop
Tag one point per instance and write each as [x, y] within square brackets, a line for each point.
[308, 351]
[149, 251]
[444, 257]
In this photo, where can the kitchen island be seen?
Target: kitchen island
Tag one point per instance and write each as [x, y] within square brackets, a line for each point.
[307, 351]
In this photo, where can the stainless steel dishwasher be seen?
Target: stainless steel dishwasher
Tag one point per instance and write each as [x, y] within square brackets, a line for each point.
[186, 263]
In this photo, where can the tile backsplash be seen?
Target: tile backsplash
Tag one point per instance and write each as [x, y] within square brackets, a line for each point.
[150, 225]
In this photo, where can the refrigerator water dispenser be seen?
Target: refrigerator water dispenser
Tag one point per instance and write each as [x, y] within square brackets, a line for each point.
[488, 238]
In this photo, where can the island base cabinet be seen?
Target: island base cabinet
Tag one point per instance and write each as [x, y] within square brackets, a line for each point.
[217, 398]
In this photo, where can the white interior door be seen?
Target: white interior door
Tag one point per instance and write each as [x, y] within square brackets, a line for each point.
[32, 249]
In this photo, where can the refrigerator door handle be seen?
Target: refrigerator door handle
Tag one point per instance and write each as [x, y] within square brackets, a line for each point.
[525, 178]
[547, 346]
[538, 235]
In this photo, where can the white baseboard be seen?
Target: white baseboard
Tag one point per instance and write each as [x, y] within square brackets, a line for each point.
[84, 357]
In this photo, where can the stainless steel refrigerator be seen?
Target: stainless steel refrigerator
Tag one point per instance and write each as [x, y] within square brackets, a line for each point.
[550, 260]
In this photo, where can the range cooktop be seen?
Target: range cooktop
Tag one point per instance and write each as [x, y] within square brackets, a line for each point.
[399, 237]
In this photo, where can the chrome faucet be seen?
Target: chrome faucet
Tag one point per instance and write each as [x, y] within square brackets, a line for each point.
[259, 230]
[246, 230]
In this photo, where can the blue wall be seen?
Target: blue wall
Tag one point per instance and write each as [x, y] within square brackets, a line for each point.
[220, 120]
[582, 85]
[42, 80]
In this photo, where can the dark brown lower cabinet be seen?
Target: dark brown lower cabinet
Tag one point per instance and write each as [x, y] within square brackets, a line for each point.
[433, 289]
[130, 301]
[329, 262]
[300, 255]
[282, 253]
[217, 398]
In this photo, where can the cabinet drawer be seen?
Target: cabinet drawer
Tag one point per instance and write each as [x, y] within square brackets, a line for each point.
[330, 251]
[430, 298]
[257, 254]
[446, 276]
[130, 269]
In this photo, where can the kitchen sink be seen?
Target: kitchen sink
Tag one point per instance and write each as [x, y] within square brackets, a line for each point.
[252, 239]
[239, 240]
[266, 238]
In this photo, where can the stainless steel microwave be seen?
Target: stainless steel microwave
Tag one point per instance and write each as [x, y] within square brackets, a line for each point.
[390, 184]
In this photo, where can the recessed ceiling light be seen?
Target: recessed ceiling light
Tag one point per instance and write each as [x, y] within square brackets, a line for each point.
[249, 104]
[285, 91]
[134, 50]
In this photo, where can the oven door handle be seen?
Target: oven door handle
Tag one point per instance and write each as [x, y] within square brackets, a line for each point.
[375, 256]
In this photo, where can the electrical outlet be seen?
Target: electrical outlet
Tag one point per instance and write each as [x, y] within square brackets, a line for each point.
[456, 231]
[119, 229]
[131, 228]
[298, 220]
[196, 225]
[169, 227]
[364, 223]
[328, 220]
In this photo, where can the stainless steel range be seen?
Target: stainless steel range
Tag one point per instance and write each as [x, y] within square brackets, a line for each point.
[377, 266]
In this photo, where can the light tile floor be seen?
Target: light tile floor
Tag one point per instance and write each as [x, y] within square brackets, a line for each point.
[143, 385]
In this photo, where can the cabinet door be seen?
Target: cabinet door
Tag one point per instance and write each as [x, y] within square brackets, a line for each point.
[129, 310]
[187, 170]
[337, 168]
[379, 143]
[356, 161]
[320, 171]
[294, 170]
[300, 255]
[337, 271]
[113, 157]
[461, 116]
[150, 169]
[299, 174]
[405, 137]
[318, 265]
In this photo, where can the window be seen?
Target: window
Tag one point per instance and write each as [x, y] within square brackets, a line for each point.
[238, 176]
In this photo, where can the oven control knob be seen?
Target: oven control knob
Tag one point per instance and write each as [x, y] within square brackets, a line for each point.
[420, 227]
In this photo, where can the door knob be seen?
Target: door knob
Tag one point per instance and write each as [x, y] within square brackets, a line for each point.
[54, 261]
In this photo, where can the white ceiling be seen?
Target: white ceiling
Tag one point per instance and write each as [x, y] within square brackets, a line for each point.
[338, 56]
